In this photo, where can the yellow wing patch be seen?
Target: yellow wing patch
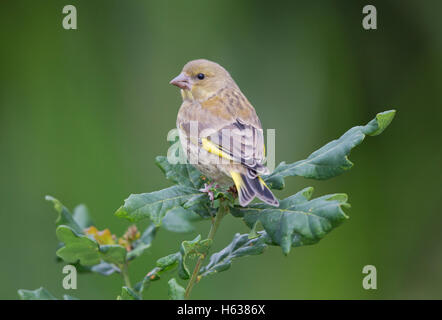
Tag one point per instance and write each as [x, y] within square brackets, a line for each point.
[236, 179]
[261, 181]
[210, 147]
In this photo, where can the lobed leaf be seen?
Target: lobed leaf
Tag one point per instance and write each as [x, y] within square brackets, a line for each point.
[332, 159]
[182, 174]
[192, 249]
[79, 221]
[195, 247]
[85, 250]
[188, 250]
[64, 216]
[201, 205]
[240, 246]
[156, 204]
[163, 264]
[160, 206]
[113, 253]
[298, 220]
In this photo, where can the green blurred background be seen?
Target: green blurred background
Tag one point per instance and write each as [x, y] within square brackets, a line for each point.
[84, 112]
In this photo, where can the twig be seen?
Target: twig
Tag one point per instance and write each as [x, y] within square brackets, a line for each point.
[125, 275]
[222, 211]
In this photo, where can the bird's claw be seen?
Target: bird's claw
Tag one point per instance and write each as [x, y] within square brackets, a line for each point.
[233, 191]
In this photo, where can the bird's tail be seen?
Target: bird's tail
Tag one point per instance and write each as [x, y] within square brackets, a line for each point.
[250, 186]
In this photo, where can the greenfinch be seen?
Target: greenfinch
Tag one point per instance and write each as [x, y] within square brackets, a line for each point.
[220, 131]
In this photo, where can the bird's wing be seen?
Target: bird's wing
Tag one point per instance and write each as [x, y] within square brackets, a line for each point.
[235, 130]
[240, 142]
[226, 125]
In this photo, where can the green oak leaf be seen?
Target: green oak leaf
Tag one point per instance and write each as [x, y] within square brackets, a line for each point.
[77, 247]
[251, 213]
[159, 206]
[195, 247]
[128, 294]
[183, 174]
[82, 216]
[86, 250]
[298, 220]
[168, 262]
[176, 292]
[163, 264]
[156, 204]
[64, 216]
[142, 286]
[240, 246]
[189, 250]
[38, 294]
[332, 159]
[196, 200]
[180, 220]
[201, 205]
[112, 253]
[78, 221]
[104, 268]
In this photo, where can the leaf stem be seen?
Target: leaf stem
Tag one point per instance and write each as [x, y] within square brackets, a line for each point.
[222, 211]
[125, 275]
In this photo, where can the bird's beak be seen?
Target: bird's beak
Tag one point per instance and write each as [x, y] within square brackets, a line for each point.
[182, 81]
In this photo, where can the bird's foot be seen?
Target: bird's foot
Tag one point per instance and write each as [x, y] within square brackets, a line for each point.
[232, 190]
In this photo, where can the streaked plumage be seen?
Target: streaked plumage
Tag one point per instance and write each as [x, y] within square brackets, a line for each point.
[220, 130]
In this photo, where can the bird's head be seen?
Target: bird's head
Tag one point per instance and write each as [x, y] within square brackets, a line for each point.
[201, 79]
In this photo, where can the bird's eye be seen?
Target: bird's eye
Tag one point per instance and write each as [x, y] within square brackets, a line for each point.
[200, 76]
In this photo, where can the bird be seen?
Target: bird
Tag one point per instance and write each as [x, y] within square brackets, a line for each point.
[220, 131]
